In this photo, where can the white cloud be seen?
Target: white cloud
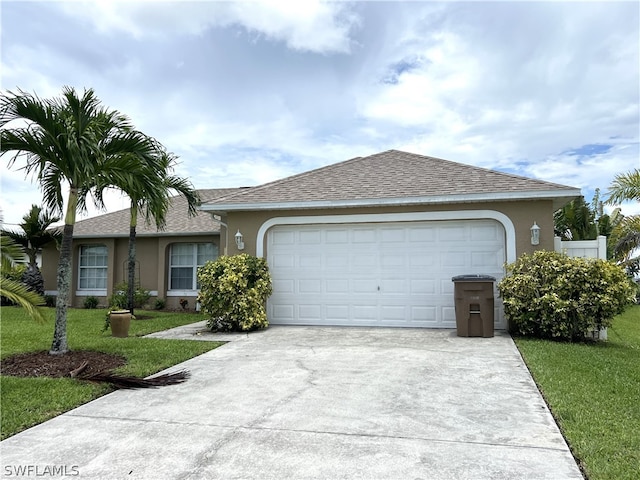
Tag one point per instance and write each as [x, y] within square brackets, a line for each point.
[245, 92]
[494, 92]
[312, 25]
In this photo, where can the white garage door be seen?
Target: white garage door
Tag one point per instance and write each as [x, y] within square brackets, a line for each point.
[383, 274]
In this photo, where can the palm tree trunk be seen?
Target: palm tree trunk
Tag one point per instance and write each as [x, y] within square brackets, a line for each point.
[59, 345]
[131, 264]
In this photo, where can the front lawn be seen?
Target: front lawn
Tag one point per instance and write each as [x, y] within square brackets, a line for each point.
[593, 391]
[25, 402]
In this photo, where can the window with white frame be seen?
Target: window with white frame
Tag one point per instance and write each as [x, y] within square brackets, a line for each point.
[184, 260]
[93, 267]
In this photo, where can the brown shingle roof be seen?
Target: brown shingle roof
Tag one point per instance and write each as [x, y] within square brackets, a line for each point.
[390, 177]
[116, 224]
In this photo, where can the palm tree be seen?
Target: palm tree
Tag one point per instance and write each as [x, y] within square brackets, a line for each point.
[625, 240]
[35, 235]
[16, 292]
[626, 236]
[155, 204]
[76, 142]
[35, 232]
[152, 198]
[575, 221]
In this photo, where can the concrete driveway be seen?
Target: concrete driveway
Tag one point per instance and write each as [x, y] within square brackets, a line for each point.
[316, 402]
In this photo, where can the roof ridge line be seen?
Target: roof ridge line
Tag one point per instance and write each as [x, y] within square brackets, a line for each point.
[486, 169]
[295, 176]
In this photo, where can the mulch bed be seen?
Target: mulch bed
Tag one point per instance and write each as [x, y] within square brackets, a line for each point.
[42, 364]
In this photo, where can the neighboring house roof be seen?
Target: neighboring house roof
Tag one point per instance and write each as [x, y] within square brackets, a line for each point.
[390, 178]
[179, 223]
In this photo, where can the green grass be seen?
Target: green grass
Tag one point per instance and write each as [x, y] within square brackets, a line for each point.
[25, 402]
[593, 391]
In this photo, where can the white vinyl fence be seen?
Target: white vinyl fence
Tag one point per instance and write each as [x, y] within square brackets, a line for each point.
[583, 248]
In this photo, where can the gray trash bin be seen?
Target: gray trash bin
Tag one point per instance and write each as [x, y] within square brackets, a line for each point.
[474, 304]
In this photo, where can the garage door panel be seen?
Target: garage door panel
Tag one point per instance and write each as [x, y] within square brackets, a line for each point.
[365, 236]
[485, 233]
[449, 315]
[337, 236]
[284, 286]
[394, 313]
[310, 237]
[335, 260]
[396, 274]
[392, 260]
[367, 261]
[313, 260]
[423, 315]
[392, 235]
[282, 261]
[283, 237]
[284, 312]
[446, 286]
[393, 287]
[337, 312]
[310, 312]
[484, 259]
[310, 286]
[422, 287]
[365, 313]
[364, 285]
[454, 259]
[452, 234]
[337, 286]
[423, 259]
[422, 234]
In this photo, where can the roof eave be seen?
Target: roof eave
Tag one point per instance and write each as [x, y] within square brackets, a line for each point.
[147, 235]
[559, 198]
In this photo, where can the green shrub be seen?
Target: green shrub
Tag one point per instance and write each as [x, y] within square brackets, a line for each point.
[551, 295]
[90, 302]
[50, 300]
[233, 290]
[160, 303]
[119, 297]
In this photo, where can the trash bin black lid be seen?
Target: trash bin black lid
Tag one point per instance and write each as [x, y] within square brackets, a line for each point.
[473, 278]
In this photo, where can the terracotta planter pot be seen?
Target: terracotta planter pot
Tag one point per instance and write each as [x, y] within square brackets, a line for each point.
[120, 321]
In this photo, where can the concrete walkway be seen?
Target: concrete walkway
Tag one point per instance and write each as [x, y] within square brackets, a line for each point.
[316, 402]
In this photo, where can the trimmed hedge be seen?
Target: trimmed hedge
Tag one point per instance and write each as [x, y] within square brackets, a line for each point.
[233, 290]
[551, 295]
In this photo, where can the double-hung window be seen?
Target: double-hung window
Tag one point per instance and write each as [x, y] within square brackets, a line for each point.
[92, 277]
[184, 260]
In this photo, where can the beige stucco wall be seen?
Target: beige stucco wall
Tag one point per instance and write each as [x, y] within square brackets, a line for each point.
[152, 264]
[152, 252]
[521, 214]
[49, 267]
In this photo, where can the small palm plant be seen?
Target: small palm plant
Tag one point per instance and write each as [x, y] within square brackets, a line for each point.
[15, 291]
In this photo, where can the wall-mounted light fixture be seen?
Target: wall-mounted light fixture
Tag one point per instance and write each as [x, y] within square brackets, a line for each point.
[239, 240]
[535, 234]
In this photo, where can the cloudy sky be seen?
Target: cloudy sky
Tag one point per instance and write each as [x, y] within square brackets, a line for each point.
[248, 92]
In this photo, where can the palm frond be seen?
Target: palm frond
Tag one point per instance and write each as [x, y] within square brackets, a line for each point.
[626, 244]
[10, 252]
[625, 187]
[125, 382]
[17, 293]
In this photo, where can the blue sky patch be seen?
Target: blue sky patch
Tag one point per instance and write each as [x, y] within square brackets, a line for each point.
[398, 68]
[590, 149]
